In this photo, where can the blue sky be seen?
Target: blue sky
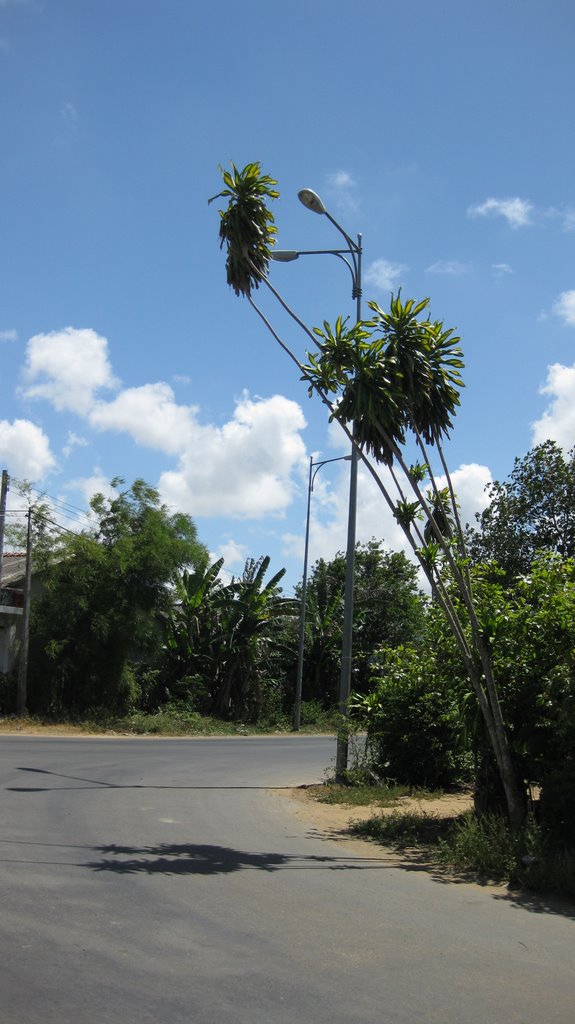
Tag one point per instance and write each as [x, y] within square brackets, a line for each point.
[442, 132]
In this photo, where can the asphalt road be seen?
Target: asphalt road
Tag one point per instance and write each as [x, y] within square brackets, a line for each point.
[162, 882]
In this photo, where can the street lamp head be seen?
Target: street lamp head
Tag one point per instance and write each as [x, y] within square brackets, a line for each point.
[311, 200]
[284, 255]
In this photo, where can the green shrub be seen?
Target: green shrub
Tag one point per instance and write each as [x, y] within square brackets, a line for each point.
[7, 693]
[413, 723]
[557, 807]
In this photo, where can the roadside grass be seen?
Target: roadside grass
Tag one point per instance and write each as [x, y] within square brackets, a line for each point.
[484, 848]
[167, 722]
[364, 794]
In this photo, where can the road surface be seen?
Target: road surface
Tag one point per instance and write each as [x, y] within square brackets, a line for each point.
[167, 882]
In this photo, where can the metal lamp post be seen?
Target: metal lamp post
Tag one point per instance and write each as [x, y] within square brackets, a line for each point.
[313, 466]
[351, 256]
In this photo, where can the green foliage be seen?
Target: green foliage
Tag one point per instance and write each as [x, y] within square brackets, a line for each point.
[557, 806]
[361, 794]
[228, 638]
[402, 829]
[388, 610]
[246, 226]
[532, 512]
[7, 693]
[483, 846]
[529, 626]
[413, 721]
[102, 595]
[390, 374]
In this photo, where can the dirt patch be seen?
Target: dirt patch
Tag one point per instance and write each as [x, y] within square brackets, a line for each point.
[340, 816]
[332, 822]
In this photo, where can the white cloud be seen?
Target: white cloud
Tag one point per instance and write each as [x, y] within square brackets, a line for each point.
[569, 219]
[564, 307]
[151, 416]
[68, 112]
[25, 449]
[340, 186]
[384, 274]
[341, 179]
[8, 335]
[469, 483]
[73, 441]
[244, 468]
[515, 211]
[67, 368]
[329, 511]
[88, 486]
[449, 267]
[231, 552]
[558, 420]
[501, 269]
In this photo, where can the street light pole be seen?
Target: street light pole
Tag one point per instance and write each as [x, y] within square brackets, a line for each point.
[299, 680]
[312, 201]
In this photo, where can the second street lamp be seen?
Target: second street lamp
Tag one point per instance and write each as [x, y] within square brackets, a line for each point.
[313, 466]
[352, 258]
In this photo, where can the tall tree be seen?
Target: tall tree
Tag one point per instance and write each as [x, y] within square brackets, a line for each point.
[101, 597]
[533, 511]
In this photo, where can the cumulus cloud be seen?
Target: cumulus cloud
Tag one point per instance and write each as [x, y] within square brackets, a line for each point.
[88, 486]
[232, 552]
[150, 415]
[67, 368]
[517, 212]
[558, 420]
[8, 335]
[329, 511]
[25, 449]
[244, 468]
[564, 307]
[469, 483]
[450, 267]
[384, 274]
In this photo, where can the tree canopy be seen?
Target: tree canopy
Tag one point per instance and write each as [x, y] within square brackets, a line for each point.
[102, 594]
[532, 511]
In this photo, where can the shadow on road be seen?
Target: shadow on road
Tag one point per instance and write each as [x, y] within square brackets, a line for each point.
[100, 784]
[201, 859]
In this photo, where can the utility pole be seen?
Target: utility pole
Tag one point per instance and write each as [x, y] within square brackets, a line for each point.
[22, 690]
[3, 496]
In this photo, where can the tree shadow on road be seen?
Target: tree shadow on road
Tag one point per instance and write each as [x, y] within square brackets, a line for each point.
[203, 859]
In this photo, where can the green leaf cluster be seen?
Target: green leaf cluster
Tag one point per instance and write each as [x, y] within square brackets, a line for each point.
[246, 225]
[393, 373]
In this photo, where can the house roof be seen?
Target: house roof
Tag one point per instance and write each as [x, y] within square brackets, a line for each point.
[13, 567]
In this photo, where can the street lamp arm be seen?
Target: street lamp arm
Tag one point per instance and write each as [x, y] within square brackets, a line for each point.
[289, 255]
[324, 462]
[353, 246]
